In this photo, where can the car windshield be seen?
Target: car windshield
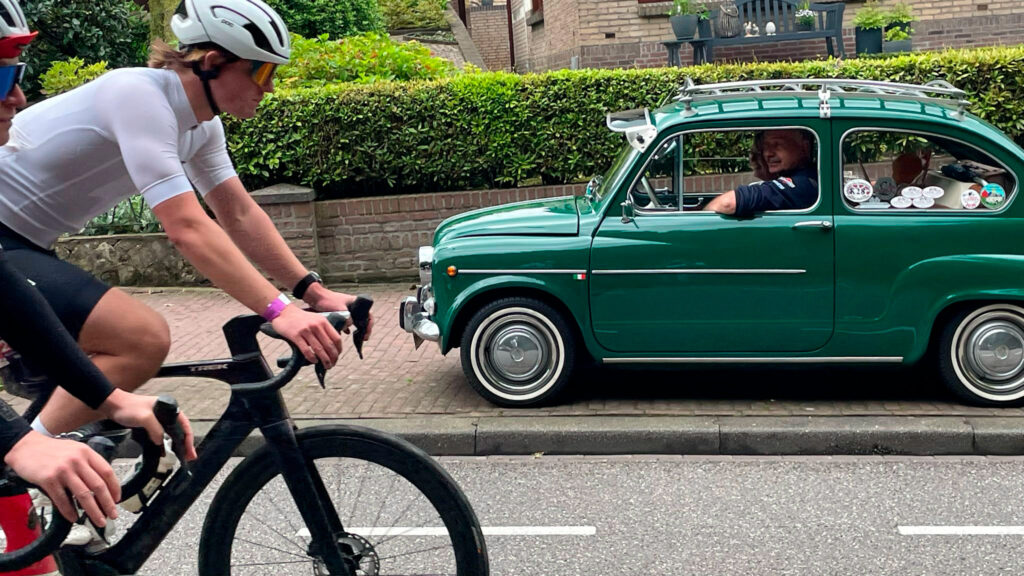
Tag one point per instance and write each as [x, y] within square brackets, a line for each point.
[600, 184]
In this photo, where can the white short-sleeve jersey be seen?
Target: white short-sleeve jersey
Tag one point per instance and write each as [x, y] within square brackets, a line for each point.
[78, 154]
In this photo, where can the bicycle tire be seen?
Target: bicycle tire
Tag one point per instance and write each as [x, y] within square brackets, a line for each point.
[49, 541]
[235, 497]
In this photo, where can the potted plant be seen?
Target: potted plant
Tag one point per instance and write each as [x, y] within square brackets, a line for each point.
[896, 40]
[683, 17]
[703, 22]
[804, 18]
[899, 16]
[869, 23]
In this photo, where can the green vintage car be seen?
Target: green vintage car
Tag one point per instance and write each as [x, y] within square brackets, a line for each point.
[909, 248]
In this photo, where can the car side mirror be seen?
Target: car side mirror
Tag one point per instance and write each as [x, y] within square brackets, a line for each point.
[627, 210]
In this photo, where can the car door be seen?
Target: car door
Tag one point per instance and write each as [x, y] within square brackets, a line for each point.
[676, 279]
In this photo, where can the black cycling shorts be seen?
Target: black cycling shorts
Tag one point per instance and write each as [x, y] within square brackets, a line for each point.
[70, 291]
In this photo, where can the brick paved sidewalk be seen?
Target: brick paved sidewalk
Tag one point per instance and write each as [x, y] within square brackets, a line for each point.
[396, 381]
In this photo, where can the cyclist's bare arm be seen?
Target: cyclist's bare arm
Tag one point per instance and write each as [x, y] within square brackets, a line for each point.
[212, 252]
[257, 237]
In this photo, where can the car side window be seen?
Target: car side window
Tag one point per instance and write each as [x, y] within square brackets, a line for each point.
[890, 170]
[656, 188]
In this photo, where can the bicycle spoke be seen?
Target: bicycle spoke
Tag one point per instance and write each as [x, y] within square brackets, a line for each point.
[271, 548]
[269, 526]
[396, 522]
[359, 494]
[392, 557]
[380, 510]
[270, 563]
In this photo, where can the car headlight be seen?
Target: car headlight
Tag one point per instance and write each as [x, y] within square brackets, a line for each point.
[426, 260]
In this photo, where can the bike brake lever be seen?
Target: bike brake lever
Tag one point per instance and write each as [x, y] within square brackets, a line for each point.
[166, 411]
[360, 311]
[321, 372]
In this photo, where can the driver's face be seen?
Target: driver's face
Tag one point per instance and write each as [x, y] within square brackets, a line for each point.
[784, 150]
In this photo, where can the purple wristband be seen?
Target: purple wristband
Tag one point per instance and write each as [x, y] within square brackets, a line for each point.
[276, 306]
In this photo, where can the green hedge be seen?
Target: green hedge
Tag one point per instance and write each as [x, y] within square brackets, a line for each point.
[498, 129]
[336, 18]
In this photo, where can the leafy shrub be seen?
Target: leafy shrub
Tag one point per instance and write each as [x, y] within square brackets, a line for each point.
[129, 216]
[336, 18]
[900, 14]
[70, 74]
[400, 14]
[370, 57]
[896, 34]
[114, 31]
[497, 129]
[870, 16]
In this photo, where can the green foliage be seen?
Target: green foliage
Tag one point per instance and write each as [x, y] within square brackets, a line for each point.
[870, 16]
[129, 216]
[160, 13]
[900, 13]
[336, 18]
[683, 7]
[895, 34]
[400, 14]
[370, 57]
[496, 129]
[114, 31]
[70, 74]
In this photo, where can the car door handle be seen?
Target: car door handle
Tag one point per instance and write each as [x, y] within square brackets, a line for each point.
[818, 224]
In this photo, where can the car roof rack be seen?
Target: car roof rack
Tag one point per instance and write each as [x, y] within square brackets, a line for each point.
[937, 92]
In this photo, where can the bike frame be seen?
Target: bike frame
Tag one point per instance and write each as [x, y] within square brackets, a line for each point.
[256, 402]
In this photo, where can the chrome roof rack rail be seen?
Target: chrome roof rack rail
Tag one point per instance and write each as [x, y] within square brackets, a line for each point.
[937, 92]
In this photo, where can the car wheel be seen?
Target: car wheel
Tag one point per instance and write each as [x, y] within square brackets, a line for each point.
[981, 355]
[518, 352]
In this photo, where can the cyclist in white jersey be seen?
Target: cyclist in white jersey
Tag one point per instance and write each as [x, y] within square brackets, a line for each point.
[60, 467]
[156, 132]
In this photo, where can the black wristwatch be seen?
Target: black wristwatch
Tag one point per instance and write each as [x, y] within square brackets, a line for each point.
[300, 289]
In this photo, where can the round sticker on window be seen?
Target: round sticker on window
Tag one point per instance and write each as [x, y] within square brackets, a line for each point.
[911, 192]
[923, 202]
[970, 199]
[886, 188]
[933, 192]
[857, 190]
[993, 196]
[901, 202]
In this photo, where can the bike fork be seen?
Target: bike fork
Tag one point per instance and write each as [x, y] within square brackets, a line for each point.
[310, 496]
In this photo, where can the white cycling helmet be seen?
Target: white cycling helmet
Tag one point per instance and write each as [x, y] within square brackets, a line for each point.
[14, 32]
[248, 29]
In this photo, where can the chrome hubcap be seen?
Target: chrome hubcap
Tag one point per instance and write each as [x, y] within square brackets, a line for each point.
[518, 352]
[990, 352]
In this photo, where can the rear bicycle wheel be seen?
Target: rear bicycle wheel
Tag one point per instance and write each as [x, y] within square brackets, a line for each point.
[402, 513]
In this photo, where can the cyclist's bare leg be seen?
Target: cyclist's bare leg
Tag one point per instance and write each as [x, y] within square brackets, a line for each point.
[127, 340]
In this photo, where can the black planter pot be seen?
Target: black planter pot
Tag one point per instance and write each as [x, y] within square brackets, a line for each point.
[703, 28]
[684, 25]
[868, 41]
[804, 27]
[896, 46]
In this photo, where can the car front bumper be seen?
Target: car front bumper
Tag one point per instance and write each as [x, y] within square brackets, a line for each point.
[415, 312]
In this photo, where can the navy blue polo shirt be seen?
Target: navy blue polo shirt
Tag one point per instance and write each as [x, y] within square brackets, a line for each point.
[790, 191]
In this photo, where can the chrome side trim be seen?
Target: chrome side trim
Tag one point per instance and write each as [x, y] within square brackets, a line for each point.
[703, 271]
[519, 271]
[761, 360]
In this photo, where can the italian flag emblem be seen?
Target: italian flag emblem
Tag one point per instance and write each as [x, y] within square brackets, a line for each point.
[581, 276]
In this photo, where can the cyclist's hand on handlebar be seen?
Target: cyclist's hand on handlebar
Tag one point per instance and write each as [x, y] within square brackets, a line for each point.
[324, 300]
[136, 411]
[316, 339]
[67, 469]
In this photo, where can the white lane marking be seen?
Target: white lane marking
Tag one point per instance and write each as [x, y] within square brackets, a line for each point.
[487, 530]
[961, 530]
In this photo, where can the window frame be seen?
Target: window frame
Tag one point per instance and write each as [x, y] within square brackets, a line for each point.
[840, 164]
[640, 211]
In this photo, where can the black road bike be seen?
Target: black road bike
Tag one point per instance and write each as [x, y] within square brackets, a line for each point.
[325, 500]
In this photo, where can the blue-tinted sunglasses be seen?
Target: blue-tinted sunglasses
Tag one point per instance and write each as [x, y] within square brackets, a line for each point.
[10, 76]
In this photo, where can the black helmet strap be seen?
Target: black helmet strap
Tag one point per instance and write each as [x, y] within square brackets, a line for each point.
[205, 76]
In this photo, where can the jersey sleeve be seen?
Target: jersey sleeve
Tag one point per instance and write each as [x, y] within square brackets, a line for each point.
[12, 428]
[210, 165]
[140, 120]
[785, 193]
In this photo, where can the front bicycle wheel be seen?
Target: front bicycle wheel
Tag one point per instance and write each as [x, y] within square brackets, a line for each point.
[401, 512]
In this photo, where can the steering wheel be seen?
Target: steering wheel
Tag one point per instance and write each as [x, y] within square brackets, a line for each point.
[646, 187]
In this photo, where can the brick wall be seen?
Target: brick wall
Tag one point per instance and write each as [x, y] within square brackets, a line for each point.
[614, 34]
[366, 239]
[490, 34]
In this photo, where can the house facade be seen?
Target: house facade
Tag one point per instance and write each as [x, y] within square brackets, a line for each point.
[557, 34]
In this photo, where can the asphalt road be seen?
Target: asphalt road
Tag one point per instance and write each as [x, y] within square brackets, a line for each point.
[673, 515]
